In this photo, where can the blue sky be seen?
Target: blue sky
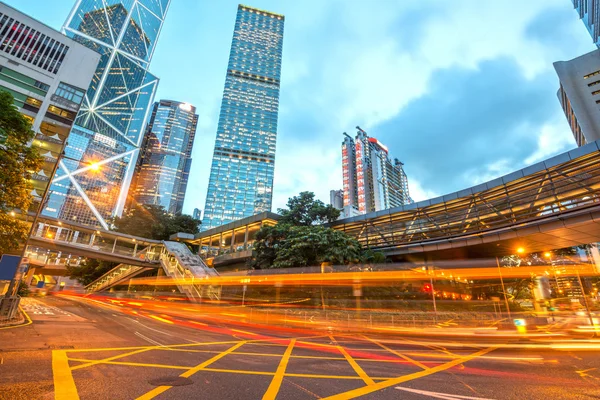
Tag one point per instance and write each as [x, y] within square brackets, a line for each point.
[461, 91]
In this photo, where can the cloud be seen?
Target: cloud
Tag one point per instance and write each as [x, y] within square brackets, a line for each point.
[474, 125]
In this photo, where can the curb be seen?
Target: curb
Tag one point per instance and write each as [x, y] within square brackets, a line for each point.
[24, 321]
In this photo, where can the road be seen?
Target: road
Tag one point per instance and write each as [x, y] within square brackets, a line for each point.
[77, 347]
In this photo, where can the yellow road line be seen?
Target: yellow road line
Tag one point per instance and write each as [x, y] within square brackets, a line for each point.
[64, 385]
[111, 358]
[166, 321]
[417, 363]
[351, 394]
[160, 389]
[20, 325]
[354, 365]
[244, 332]
[273, 389]
[196, 322]
[133, 364]
[311, 376]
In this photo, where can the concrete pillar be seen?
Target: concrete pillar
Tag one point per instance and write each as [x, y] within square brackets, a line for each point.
[246, 239]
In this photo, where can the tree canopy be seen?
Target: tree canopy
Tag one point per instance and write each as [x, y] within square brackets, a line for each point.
[297, 241]
[153, 222]
[18, 161]
[304, 210]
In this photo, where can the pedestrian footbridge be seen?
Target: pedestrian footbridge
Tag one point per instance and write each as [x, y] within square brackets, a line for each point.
[135, 255]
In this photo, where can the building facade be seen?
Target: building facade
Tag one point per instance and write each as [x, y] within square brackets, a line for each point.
[372, 180]
[241, 175]
[579, 95]
[108, 130]
[47, 74]
[589, 13]
[163, 168]
[197, 214]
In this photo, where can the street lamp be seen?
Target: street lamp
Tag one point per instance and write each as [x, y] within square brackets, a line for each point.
[519, 250]
[6, 303]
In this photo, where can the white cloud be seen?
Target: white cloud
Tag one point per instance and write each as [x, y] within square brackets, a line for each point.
[553, 138]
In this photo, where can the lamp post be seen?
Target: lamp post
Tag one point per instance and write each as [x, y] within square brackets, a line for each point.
[7, 302]
[503, 289]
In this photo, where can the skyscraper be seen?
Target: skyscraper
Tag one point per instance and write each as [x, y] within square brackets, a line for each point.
[241, 175]
[108, 130]
[589, 12]
[579, 95]
[372, 180]
[166, 156]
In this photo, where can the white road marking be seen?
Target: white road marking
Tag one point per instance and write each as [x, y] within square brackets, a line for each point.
[437, 395]
[146, 338]
[152, 329]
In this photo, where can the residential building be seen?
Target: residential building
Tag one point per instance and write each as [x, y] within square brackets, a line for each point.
[336, 198]
[163, 168]
[241, 175]
[589, 13]
[47, 74]
[372, 180]
[108, 130]
[579, 95]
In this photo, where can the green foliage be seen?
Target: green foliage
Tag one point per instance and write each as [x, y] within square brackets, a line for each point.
[296, 241]
[372, 257]
[285, 246]
[153, 222]
[18, 161]
[304, 210]
[89, 270]
[23, 290]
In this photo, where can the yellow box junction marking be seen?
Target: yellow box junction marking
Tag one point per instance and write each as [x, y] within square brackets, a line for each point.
[64, 385]
[111, 358]
[351, 394]
[353, 363]
[415, 362]
[273, 389]
[161, 389]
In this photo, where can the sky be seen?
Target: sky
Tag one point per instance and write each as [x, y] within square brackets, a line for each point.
[461, 91]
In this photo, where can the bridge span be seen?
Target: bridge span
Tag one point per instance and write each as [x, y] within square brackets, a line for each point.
[549, 205]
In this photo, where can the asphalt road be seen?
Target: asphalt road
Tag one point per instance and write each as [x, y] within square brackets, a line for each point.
[76, 347]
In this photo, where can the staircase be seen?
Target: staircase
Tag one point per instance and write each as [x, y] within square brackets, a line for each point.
[188, 270]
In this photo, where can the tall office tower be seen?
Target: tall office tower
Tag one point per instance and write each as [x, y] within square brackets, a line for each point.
[197, 214]
[579, 95]
[372, 180]
[589, 13]
[241, 175]
[47, 74]
[108, 129]
[163, 169]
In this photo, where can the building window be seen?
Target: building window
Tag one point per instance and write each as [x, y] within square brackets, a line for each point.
[62, 112]
[70, 93]
[41, 85]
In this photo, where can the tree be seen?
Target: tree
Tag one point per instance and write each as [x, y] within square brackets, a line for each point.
[313, 245]
[89, 270]
[304, 210]
[18, 161]
[153, 222]
[298, 241]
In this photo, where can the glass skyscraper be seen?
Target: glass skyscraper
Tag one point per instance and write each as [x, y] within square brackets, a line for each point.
[166, 156]
[241, 175]
[589, 12]
[108, 130]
